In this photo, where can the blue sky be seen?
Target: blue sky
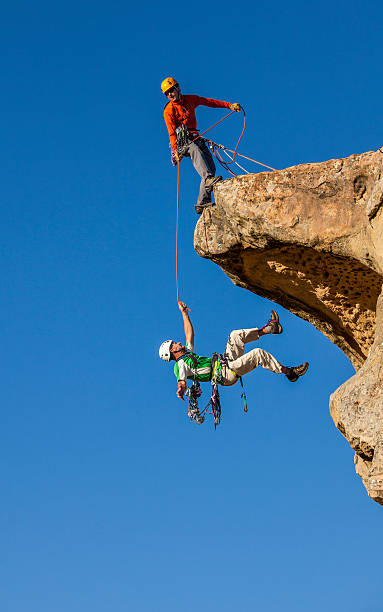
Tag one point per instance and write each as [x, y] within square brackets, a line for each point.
[111, 498]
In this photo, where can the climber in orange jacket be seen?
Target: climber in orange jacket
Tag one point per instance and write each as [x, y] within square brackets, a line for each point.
[179, 114]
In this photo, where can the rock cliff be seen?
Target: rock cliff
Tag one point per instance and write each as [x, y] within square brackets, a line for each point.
[310, 238]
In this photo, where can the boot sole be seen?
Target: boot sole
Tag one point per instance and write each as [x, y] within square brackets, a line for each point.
[199, 209]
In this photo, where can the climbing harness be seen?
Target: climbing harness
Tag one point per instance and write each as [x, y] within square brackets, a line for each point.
[184, 138]
[219, 360]
[195, 391]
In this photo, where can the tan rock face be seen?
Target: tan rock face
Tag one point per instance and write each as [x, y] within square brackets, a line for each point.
[310, 239]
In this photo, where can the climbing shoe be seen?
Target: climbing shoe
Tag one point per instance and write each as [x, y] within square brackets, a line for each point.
[210, 181]
[296, 371]
[273, 326]
[199, 208]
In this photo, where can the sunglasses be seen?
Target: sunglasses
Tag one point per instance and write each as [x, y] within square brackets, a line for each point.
[171, 90]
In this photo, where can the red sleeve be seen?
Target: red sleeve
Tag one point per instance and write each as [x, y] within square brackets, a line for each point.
[200, 101]
[171, 125]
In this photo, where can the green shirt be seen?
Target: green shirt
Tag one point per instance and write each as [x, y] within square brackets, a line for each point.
[185, 369]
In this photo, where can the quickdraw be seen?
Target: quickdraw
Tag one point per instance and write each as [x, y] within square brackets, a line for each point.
[184, 138]
[215, 403]
[194, 414]
[194, 392]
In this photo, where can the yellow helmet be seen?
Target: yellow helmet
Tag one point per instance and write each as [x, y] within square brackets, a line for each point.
[167, 84]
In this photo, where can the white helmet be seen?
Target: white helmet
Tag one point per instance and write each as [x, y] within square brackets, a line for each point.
[164, 350]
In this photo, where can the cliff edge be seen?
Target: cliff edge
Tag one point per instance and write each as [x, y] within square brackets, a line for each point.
[310, 238]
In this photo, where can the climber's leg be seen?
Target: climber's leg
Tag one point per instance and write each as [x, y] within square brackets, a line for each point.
[251, 360]
[273, 325]
[235, 346]
[259, 357]
[204, 165]
[239, 337]
[295, 372]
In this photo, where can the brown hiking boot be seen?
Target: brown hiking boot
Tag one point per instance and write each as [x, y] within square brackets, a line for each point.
[296, 371]
[199, 208]
[210, 181]
[273, 326]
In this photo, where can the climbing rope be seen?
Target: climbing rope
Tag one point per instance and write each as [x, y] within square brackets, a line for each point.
[194, 392]
[223, 119]
[178, 206]
[215, 147]
[249, 158]
[236, 163]
[214, 124]
[215, 150]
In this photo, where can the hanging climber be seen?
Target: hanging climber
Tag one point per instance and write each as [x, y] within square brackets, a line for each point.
[180, 119]
[236, 362]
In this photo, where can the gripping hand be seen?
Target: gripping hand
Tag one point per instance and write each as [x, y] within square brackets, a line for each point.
[182, 386]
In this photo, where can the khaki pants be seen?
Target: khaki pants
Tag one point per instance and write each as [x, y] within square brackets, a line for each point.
[241, 363]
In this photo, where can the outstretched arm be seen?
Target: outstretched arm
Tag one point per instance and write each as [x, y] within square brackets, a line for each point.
[201, 101]
[188, 327]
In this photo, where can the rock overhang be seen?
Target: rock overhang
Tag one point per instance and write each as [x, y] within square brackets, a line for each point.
[310, 238]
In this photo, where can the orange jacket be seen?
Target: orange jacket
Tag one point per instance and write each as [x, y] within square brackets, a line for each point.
[183, 111]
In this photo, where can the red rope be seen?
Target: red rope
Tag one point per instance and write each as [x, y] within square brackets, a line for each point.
[225, 164]
[253, 160]
[178, 205]
[239, 139]
[211, 127]
[222, 161]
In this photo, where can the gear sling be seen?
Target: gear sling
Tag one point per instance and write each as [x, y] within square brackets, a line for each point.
[195, 391]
